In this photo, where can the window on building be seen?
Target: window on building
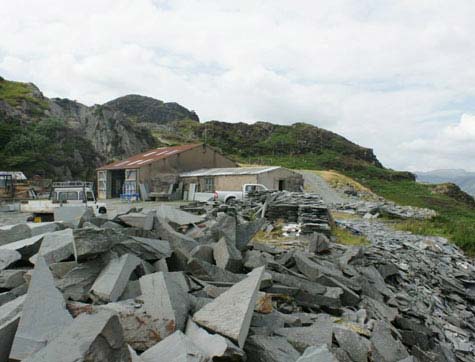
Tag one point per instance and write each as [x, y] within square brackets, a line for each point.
[209, 184]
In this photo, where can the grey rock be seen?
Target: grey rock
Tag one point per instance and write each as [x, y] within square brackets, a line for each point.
[210, 272]
[8, 257]
[134, 356]
[140, 329]
[177, 216]
[59, 270]
[10, 314]
[225, 227]
[88, 243]
[113, 279]
[230, 314]
[214, 345]
[318, 354]
[318, 243]
[26, 247]
[161, 265]
[254, 259]
[355, 346]
[11, 278]
[385, 347]
[91, 337]
[11, 233]
[269, 349]
[349, 297]
[165, 299]
[227, 256]
[44, 314]
[44, 227]
[76, 283]
[56, 246]
[132, 290]
[177, 240]
[246, 231]
[306, 266]
[203, 252]
[134, 219]
[175, 348]
[145, 248]
[111, 225]
[303, 337]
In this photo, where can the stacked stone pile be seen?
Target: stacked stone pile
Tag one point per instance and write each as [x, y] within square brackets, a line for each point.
[168, 285]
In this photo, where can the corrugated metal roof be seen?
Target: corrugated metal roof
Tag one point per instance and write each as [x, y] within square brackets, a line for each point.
[147, 157]
[229, 171]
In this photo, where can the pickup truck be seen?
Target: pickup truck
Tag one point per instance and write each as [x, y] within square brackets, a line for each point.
[64, 194]
[231, 196]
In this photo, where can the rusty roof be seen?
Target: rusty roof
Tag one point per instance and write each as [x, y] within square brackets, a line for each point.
[147, 157]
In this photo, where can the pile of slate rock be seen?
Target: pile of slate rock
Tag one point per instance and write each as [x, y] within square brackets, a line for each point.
[171, 285]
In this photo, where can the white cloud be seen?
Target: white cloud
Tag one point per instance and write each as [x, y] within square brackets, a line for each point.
[385, 74]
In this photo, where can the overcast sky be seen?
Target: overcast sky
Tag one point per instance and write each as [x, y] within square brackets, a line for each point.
[395, 76]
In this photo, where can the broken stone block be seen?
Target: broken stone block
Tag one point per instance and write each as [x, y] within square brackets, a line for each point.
[11, 233]
[113, 279]
[44, 314]
[9, 317]
[225, 227]
[59, 270]
[165, 299]
[254, 259]
[145, 248]
[11, 278]
[320, 353]
[318, 243]
[134, 219]
[227, 256]
[140, 329]
[260, 348]
[177, 216]
[349, 297]
[56, 246]
[355, 346]
[177, 241]
[230, 314]
[91, 242]
[175, 348]
[210, 272]
[95, 337]
[26, 247]
[306, 266]
[131, 291]
[44, 227]
[8, 257]
[134, 356]
[111, 225]
[246, 231]
[301, 338]
[385, 348]
[203, 252]
[78, 281]
[161, 265]
[214, 345]
[72, 215]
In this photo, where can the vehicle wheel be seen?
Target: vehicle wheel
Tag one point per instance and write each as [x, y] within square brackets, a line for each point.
[230, 200]
[102, 210]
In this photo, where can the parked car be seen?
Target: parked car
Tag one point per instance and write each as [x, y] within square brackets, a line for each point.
[65, 194]
[231, 196]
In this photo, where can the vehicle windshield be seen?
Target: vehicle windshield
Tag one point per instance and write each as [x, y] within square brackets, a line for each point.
[65, 196]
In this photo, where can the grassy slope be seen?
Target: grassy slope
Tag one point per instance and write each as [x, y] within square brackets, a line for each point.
[456, 220]
[15, 92]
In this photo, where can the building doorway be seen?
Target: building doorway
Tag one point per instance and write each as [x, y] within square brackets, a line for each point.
[117, 182]
[281, 185]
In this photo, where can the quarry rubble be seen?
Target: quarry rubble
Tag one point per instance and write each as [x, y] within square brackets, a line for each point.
[203, 284]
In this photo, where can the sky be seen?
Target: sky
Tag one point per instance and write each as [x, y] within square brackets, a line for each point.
[394, 76]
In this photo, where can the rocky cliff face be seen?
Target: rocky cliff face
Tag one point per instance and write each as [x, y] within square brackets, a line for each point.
[150, 111]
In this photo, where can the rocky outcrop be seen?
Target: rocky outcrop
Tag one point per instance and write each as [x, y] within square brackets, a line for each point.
[150, 110]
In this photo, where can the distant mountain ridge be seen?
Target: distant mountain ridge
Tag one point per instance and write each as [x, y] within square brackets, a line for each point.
[462, 178]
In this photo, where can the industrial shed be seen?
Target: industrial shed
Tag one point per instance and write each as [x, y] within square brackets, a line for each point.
[156, 172]
[233, 178]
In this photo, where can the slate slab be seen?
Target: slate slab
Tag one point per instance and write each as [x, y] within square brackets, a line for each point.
[91, 337]
[260, 348]
[113, 279]
[165, 299]
[44, 314]
[8, 257]
[56, 246]
[317, 354]
[230, 313]
[227, 256]
[26, 247]
[11, 233]
[175, 348]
